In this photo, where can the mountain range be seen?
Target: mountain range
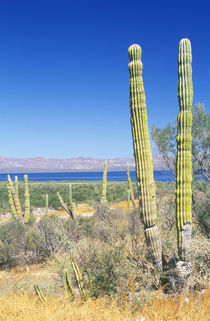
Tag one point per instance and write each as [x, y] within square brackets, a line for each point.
[70, 164]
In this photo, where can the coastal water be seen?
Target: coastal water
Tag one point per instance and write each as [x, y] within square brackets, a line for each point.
[163, 176]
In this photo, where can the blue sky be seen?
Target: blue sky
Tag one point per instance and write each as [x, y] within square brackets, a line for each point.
[64, 80]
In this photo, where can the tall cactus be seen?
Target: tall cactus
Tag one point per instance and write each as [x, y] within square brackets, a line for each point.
[15, 198]
[130, 186]
[27, 200]
[143, 155]
[103, 195]
[183, 162]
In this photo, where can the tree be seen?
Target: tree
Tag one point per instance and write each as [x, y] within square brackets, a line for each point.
[165, 140]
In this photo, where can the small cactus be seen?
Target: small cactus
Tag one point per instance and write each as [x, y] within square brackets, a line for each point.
[68, 286]
[40, 293]
[79, 279]
[183, 161]
[103, 195]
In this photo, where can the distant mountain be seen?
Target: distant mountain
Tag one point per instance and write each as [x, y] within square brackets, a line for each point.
[70, 164]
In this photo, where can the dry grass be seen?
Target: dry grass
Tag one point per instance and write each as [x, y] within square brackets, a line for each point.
[24, 308]
[124, 205]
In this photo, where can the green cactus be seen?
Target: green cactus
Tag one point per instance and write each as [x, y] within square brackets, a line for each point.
[68, 286]
[103, 195]
[130, 186]
[72, 205]
[143, 155]
[11, 202]
[79, 279]
[183, 162]
[46, 205]
[15, 198]
[40, 293]
[27, 200]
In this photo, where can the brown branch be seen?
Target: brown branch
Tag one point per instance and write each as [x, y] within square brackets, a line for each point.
[66, 208]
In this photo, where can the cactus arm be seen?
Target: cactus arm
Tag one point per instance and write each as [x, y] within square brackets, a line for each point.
[15, 197]
[184, 142]
[46, 205]
[27, 200]
[16, 185]
[40, 293]
[79, 279]
[103, 195]
[68, 286]
[130, 186]
[143, 155]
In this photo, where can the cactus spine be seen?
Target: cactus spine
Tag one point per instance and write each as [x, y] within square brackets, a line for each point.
[130, 186]
[15, 198]
[183, 162]
[27, 200]
[103, 195]
[143, 155]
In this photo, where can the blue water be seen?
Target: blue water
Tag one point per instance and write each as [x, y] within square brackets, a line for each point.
[163, 176]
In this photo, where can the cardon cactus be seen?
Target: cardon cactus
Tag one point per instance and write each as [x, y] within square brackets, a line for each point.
[103, 195]
[143, 155]
[183, 162]
[27, 201]
[16, 201]
[130, 187]
[11, 202]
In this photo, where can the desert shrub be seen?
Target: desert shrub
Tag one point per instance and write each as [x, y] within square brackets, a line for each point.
[201, 205]
[53, 234]
[19, 244]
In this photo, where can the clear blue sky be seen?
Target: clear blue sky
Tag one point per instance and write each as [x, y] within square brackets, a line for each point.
[64, 80]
